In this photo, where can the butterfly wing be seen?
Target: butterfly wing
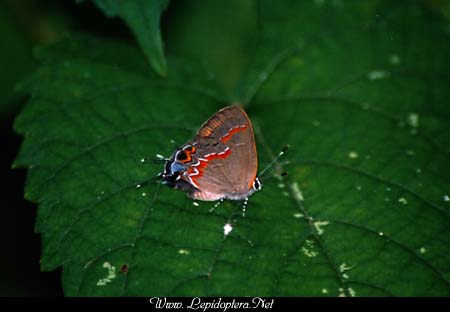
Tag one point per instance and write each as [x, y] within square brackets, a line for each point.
[226, 165]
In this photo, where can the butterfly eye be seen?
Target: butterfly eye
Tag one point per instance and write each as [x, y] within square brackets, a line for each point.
[182, 156]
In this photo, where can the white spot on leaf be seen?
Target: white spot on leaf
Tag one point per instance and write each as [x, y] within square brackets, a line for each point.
[111, 274]
[353, 155]
[183, 252]
[351, 291]
[344, 267]
[422, 250]
[403, 200]
[308, 249]
[227, 228]
[413, 119]
[377, 74]
[297, 192]
[318, 226]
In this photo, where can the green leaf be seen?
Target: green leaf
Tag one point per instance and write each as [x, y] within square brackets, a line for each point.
[142, 17]
[358, 89]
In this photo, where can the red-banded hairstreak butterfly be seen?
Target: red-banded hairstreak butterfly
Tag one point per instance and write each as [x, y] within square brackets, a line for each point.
[220, 162]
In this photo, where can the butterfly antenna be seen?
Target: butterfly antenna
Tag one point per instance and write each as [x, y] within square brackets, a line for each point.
[273, 162]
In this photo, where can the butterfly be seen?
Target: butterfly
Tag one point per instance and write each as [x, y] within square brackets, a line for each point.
[220, 162]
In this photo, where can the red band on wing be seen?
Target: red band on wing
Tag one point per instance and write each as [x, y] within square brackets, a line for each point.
[203, 163]
[232, 132]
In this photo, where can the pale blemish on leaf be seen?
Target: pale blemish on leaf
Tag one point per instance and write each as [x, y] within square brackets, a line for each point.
[144, 194]
[196, 204]
[394, 59]
[316, 123]
[410, 152]
[183, 252]
[353, 155]
[100, 195]
[324, 291]
[318, 225]
[344, 267]
[88, 263]
[308, 249]
[413, 119]
[422, 250]
[446, 198]
[160, 157]
[351, 291]
[377, 74]
[403, 200]
[111, 274]
[298, 215]
[297, 192]
[359, 187]
[227, 228]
